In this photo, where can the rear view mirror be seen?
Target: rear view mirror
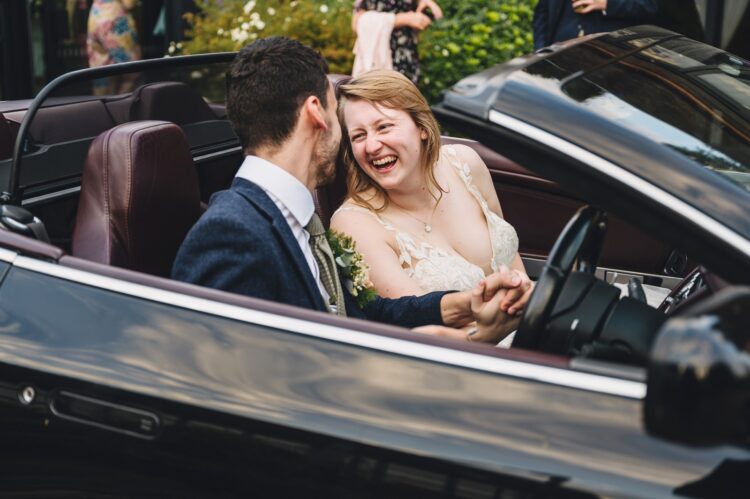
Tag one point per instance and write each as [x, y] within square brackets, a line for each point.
[698, 389]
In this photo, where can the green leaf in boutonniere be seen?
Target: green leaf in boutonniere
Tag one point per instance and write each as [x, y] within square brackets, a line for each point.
[353, 267]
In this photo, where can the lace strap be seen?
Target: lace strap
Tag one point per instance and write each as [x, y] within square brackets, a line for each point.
[464, 172]
[406, 246]
[388, 226]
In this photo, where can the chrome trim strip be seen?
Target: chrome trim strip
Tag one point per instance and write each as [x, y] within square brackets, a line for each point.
[51, 195]
[544, 374]
[612, 170]
[217, 154]
[7, 255]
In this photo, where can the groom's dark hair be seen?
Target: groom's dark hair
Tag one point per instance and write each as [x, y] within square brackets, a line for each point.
[267, 84]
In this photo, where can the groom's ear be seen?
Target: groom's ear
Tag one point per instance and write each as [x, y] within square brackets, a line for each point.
[313, 110]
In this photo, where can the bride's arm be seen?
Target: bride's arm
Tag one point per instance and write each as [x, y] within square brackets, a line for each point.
[482, 178]
[374, 243]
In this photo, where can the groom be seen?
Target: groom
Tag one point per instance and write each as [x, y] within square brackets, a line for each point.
[261, 237]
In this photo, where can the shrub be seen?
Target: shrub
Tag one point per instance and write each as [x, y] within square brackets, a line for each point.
[227, 25]
[474, 34]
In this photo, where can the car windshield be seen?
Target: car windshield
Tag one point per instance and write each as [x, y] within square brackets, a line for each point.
[693, 98]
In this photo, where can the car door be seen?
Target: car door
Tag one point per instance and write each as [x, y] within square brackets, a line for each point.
[119, 383]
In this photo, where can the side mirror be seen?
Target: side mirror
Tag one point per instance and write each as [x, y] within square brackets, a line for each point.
[698, 389]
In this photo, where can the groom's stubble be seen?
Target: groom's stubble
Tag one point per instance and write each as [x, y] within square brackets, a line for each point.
[324, 156]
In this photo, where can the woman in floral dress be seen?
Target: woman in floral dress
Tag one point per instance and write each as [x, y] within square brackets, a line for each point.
[410, 19]
[111, 39]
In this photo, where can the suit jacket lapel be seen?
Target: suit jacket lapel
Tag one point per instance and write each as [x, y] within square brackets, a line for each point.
[258, 197]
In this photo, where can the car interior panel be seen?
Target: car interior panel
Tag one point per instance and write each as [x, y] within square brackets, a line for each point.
[6, 139]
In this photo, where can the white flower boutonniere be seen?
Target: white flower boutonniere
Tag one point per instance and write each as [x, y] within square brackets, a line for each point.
[353, 266]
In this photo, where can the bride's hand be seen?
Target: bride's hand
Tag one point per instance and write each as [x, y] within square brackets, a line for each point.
[516, 299]
[516, 295]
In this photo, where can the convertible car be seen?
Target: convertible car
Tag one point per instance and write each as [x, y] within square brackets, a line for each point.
[623, 161]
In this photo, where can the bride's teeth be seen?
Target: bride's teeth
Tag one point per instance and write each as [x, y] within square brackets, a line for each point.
[383, 161]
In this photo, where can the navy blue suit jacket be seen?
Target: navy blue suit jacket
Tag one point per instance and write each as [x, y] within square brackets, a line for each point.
[243, 244]
[548, 17]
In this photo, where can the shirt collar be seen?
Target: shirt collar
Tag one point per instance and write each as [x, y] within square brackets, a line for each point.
[281, 184]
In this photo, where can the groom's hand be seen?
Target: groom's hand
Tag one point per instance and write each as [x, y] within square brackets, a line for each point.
[492, 322]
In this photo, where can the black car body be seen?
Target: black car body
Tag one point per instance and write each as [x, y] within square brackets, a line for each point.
[117, 382]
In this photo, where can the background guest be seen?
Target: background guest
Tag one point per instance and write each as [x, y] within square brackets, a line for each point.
[558, 20]
[112, 38]
[410, 18]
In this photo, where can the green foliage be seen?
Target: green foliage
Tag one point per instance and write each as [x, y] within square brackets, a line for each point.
[473, 35]
[228, 25]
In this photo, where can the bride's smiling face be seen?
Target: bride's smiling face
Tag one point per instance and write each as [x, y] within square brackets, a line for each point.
[386, 143]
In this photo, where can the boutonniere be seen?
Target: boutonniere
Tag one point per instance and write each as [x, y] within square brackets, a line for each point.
[353, 266]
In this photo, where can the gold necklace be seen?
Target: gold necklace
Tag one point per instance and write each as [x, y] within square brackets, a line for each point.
[428, 224]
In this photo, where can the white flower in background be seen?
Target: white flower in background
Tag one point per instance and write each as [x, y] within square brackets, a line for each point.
[324, 8]
[260, 25]
[239, 35]
[293, 4]
[171, 48]
[245, 26]
[271, 11]
[249, 6]
[220, 31]
[254, 16]
[196, 75]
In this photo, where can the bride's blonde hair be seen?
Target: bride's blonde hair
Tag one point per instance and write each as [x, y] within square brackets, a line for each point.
[391, 90]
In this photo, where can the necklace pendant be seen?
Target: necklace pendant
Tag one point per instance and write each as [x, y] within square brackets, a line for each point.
[427, 228]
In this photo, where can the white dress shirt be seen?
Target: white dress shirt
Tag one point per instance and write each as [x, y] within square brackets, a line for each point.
[294, 201]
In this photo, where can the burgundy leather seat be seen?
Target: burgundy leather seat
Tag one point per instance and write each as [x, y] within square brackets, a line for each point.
[139, 197]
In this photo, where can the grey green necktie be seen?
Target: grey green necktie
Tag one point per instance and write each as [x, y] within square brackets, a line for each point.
[326, 263]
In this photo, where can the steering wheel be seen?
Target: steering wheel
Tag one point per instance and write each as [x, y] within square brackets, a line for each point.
[580, 241]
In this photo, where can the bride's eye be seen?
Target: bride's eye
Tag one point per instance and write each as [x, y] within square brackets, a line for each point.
[357, 137]
[384, 126]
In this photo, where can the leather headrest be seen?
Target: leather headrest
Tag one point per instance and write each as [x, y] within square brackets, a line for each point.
[139, 197]
[169, 101]
[337, 80]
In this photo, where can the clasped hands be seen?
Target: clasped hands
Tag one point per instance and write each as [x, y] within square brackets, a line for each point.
[490, 311]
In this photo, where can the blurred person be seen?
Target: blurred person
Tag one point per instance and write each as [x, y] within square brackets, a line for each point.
[387, 32]
[558, 20]
[111, 39]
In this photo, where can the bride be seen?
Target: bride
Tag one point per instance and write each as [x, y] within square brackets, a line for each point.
[424, 217]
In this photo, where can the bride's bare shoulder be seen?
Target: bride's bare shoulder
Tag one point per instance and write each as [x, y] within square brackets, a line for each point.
[353, 218]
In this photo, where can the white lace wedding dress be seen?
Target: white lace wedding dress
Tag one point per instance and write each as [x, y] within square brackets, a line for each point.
[439, 269]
